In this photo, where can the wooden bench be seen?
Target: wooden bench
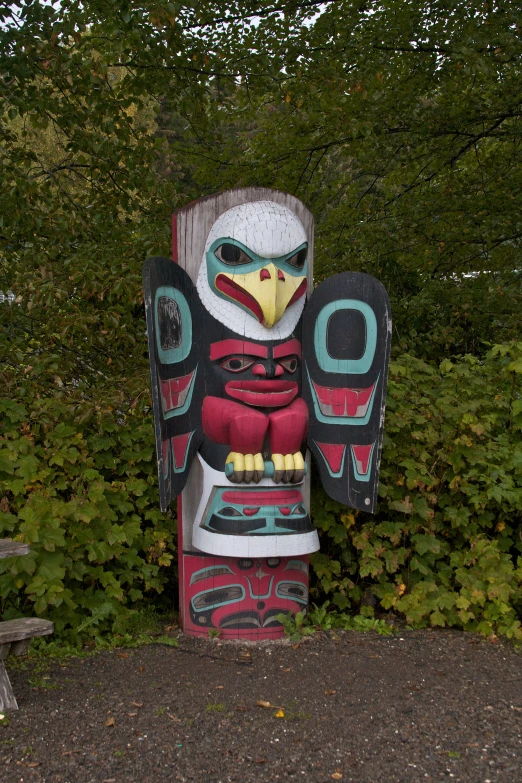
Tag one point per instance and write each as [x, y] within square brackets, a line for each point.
[10, 548]
[16, 635]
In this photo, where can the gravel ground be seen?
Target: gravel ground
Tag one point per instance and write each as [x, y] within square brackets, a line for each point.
[420, 706]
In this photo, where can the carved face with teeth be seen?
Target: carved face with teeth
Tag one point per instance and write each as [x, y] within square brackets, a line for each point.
[262, 376]
[253, 275]
[245, 594]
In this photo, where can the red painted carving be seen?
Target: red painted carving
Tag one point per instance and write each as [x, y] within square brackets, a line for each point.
[290, 348]
[236, 292]
[253, 601]
[342, 401]
[288, 428]
[233, 424]
[263, 394]
[333, 454]
[265, 498]
[174, 391]
[362, 456]
[244, 429]
[179, 447]
[301, 291]
[228, 347]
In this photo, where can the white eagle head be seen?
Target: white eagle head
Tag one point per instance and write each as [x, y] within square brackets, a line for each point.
[253, 274]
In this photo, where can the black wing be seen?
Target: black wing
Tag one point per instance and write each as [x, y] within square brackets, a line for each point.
[172, 308]
[346, 347]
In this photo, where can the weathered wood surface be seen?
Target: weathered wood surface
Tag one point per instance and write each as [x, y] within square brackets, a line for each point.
[15, 636]
[9, 548]
[24, 628]
[193, 222]
[7, 698]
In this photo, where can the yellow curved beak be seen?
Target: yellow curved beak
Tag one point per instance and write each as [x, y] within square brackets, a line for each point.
[271, 288]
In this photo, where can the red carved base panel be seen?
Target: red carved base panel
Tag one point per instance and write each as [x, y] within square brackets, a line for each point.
[240, 598]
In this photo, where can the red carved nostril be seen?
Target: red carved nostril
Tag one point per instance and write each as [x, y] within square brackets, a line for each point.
[258, 369]
[264, 274]
[279, 370]
[280, 275]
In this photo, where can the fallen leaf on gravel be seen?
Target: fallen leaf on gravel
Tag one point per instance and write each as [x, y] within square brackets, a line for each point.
[336, 776]
[288, 669]
[141, 668]
[295, 646]
[68, 752]
[330, 693]
[132, 714]
[122, 655]
[518, 709]
[173, 717]
[261, 703]
[110, 722]
[489, 707]
[218, 687]
[245, 654]
[137, 703]
[259, 761]
[241, 709]
[279, 714]
[109, 780]
[33, 763]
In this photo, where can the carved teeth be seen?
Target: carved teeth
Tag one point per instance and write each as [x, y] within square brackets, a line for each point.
[343, 402]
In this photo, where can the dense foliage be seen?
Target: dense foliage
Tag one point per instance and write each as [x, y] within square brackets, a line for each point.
[399, 124]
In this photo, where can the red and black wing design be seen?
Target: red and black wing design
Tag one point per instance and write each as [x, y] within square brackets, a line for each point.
[346, 347]
[173, 308]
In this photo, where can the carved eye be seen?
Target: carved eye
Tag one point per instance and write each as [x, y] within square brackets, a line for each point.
[273, 562]
[237, 363]
[228, 511]
[294, 590]
[299, 510]
[298, 259]
[232, 255]
[290, 365]
[244, 565]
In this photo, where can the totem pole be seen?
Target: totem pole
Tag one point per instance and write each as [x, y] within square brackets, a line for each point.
[244, 378]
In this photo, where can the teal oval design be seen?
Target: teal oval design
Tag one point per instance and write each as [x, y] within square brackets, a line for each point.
[345, 366]
[180, 347]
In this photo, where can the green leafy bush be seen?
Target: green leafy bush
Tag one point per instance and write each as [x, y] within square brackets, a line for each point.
[444, 547]
[83, 494]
